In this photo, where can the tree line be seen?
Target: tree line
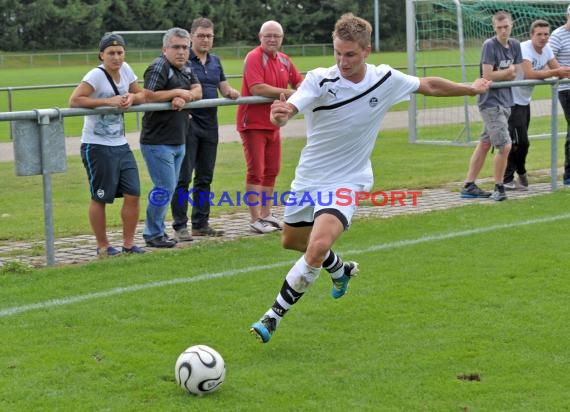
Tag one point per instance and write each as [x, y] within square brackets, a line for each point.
[50, 25]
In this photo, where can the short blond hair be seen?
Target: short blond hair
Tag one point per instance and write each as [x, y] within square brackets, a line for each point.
[352, 28]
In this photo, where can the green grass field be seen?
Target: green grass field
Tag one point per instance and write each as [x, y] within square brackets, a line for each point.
[456, 310]
[478, 291]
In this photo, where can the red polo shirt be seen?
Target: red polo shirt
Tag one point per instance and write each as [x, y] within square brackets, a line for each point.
[260, 67]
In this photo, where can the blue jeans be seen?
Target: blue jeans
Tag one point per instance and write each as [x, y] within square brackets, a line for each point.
[163, 164]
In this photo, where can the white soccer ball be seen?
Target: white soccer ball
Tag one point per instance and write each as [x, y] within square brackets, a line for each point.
[200, 370]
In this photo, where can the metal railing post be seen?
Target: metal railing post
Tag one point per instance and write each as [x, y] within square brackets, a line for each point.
[10, 109]
[43, 121]
[554, 138]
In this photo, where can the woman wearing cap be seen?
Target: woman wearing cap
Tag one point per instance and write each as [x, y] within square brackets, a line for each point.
[111, 167]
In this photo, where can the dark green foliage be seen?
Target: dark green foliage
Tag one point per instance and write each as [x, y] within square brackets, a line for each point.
[41, 25]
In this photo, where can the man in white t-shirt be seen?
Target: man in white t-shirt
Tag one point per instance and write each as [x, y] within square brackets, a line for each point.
[344, 106]
[538, 63]
[109, 162]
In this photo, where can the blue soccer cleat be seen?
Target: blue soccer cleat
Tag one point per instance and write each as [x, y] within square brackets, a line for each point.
[264, 328]
[340, 285]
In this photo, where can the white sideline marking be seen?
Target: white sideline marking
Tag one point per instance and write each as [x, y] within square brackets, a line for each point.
[119, 291]
[450, 235]
[208, 276]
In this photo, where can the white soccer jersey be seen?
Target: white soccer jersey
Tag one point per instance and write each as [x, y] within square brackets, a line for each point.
[522, 94]
[106, 129]
[343, 120]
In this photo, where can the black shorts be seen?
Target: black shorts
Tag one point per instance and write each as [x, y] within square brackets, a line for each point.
[111, 170]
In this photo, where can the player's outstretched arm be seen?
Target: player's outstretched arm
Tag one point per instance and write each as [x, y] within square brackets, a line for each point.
[438, 86]
[281, 111]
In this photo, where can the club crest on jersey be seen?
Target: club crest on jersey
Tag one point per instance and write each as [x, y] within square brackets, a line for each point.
[373, 102]
[100, 193]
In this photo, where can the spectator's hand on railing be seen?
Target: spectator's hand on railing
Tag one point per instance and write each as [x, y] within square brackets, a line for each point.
[232, 94]
[564, 72]
[178, 103]
[115, 101]
[127, 100]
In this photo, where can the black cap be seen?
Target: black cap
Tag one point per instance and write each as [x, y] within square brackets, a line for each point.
[111, 39]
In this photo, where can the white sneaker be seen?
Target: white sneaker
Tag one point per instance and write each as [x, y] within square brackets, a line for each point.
[522, 182]
[273, 221]
[182, 235]
[510, 185]
[262, 226]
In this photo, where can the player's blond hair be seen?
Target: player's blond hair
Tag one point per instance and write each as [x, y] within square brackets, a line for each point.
[352, 28]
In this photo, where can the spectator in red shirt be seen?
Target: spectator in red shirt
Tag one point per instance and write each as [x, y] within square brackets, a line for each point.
[267, 72]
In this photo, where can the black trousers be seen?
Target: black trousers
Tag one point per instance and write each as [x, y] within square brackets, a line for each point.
[519, 120]
[200, 160]
[564, 99]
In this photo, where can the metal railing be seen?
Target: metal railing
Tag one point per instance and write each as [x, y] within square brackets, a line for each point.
[10, 94]
[39, 144]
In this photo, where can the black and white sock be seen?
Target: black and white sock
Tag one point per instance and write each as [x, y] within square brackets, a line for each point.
[334, 265]
[297, 281]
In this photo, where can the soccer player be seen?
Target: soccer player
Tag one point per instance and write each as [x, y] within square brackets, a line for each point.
[343, 106]
[538, 63]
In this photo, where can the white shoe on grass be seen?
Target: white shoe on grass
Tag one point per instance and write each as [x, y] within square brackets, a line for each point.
[261, 226]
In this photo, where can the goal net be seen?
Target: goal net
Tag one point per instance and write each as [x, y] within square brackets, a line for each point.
[445, 38]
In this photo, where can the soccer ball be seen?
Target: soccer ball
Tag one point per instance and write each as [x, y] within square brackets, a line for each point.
[200, 370]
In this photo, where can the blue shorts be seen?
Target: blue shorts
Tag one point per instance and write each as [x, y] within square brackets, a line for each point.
[111, 170]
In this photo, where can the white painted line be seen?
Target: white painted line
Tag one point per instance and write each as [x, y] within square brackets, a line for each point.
[450, 235]
[208, 276]
[127, 289]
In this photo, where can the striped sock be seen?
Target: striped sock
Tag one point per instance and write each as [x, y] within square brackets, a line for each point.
[334, 265]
